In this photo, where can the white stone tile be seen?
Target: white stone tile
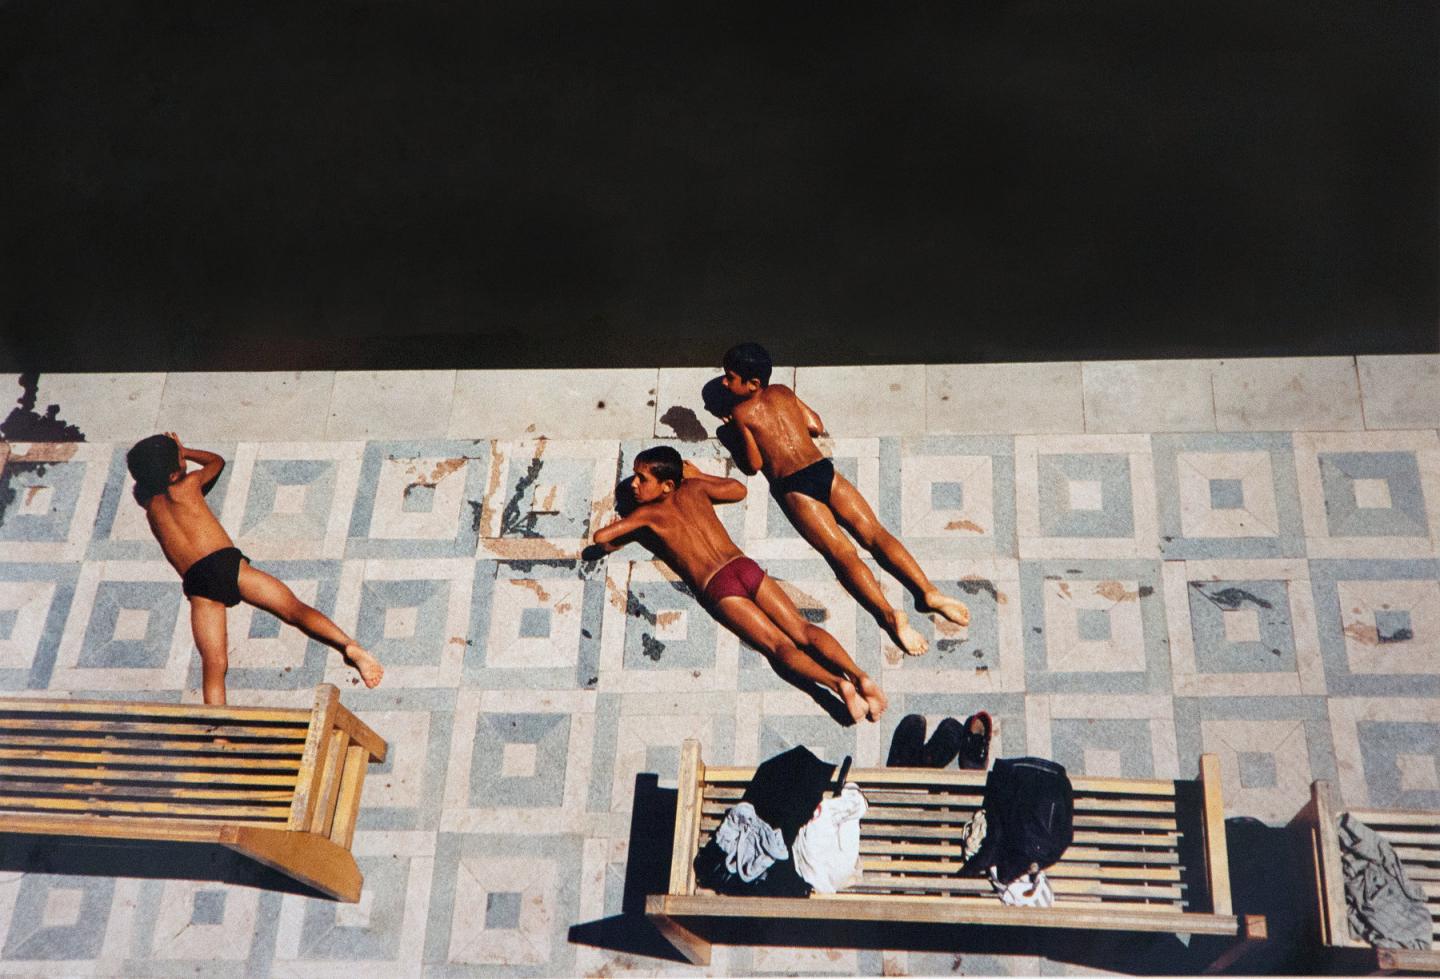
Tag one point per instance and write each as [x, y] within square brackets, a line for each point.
[886, 399]
[269, 406]
[1401, 391]
[105, 407]
[1149, 396]
[1318, 394]
[390, 404]
[554, 404]
[681, 396]
[1004, 398]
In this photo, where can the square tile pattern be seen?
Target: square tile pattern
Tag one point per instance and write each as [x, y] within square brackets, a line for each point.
[1271, 597]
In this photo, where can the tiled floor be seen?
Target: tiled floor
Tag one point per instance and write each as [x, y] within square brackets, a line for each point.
[1161, 559]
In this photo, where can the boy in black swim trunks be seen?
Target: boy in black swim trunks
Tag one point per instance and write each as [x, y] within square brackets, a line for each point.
[776, 431]
[677, 504]
[214, 573]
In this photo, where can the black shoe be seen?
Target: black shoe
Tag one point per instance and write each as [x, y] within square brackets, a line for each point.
[907, 743]
[943, 745]
[975, 746]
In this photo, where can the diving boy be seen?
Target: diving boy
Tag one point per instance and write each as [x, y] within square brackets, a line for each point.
[776, 430]
[214, 573]
[677, 504]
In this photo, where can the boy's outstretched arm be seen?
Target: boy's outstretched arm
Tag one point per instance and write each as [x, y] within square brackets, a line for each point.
[719, 488]
[752, 460]
[211, 464]
[606, 536]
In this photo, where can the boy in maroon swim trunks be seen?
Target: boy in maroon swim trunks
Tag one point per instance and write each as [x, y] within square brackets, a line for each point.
[677, 505]
[776, 429]
[214, 573]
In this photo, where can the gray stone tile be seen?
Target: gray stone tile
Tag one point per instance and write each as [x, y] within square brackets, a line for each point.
[256, 407]
[1400, 391]
[1017, 399]
[1280, 394]
[1149, 396]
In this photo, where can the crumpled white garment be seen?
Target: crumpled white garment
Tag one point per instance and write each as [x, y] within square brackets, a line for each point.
[973, 834]
[827, 848]
[751, 845]
[1025, 891]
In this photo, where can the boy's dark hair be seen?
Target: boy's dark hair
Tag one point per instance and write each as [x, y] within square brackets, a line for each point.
[663, 462]
[151, 461]
[749, 361]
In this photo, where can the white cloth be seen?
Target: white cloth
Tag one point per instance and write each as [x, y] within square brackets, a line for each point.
[751, 845]
[1025, 891]
[827, 848]
[973, 834]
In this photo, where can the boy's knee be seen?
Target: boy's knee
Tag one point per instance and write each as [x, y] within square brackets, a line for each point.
[814, 635]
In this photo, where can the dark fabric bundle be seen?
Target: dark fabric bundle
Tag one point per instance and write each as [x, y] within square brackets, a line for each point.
[1029, 817]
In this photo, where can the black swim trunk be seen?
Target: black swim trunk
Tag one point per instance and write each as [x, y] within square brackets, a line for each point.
[813, 481]
[216, 576]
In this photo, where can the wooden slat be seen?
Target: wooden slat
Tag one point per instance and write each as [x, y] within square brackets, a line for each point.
[112, 827]
[883, 882]
[324, 815]
[216, 729]
[1331, 875]
[312, 763]
[85, 790]
[347, 806]
[687, 819]
[1090, 871]
[148, 759]
[1376, 818]
[220, 812]
[81, 743]
[1212, 824]
[1429, 840]
[360, 733]
[1408, 854]
[189, 712]
[1091, 821]
[105, 774]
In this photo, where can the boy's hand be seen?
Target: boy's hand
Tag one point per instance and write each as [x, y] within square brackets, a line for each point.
[179, 447]
[689, 469]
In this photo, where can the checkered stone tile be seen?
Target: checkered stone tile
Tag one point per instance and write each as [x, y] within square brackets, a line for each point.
[1094, 627]
[635, 731]
[546, 498]
[35, 601]
[400, 793]
[49, 493]
[956, 494]
[1270, 749]
[1379, 626]
[419, 499]
[1128, 736]
[1387, 751]
[49, 921]
[126, 630]
[413, 615]
[1085, 494]
[1365, 493]
[502, 903]
[293, 500]
[1227, 495]
[535, 624]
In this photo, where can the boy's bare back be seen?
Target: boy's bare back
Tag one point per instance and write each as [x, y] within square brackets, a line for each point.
[782, 427]
[695, 541]
[183, 524]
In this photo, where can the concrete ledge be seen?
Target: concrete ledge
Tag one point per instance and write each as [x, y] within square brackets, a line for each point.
[1023, 399]
[1401, 391]
[270, 406]
[1318, 394]
[1149, 396]
[856, 402]
[576, 404]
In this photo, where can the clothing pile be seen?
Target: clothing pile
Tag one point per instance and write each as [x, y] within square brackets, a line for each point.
[783, 839]
[1025, 824]
[1384, 906]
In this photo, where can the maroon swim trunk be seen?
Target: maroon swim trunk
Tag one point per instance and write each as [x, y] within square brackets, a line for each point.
[740, 578]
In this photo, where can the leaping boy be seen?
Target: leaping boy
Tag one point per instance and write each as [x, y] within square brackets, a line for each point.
[777, 429]
[215, 575]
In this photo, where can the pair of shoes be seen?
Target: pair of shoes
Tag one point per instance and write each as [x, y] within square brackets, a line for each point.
[974, 750]
[909, 749]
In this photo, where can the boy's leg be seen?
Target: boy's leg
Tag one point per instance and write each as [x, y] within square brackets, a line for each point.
[852, 510]
[777, 605]
[748, 621]
[817, 525]
[274, 596]
[207, 624]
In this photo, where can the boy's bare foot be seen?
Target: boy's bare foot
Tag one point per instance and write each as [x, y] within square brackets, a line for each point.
[366, 665]
[952, 608]
[854, 703]
[874, 697]
[906, 637]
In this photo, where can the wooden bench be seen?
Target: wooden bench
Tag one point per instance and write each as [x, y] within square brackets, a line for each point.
[279, 786]
[1415, 835]
[1148, 856]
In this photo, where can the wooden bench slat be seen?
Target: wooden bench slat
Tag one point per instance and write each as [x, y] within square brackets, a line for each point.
[282, 751]
[1422, 840]
[1171, 893]
[220, 793]
[196, 713]
[118, 774]
[1090, 871]
[1376, 818]
[37, 760]
[32, 803]
[1409, 854]
[209, 729]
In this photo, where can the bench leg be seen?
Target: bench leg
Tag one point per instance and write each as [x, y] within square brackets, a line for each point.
[1255, 934]
[695, 949]
[308, 857]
